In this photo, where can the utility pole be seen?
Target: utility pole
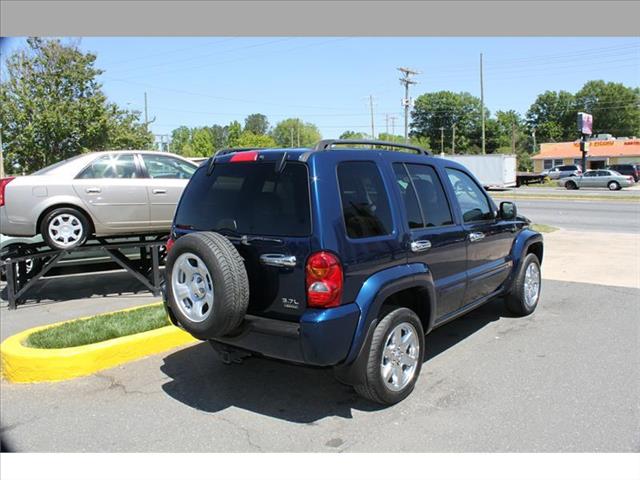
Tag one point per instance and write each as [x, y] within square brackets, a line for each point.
[386, 121]
[513, 138]
[393, 124]
[298, 131]
[373, 133]
[533, 135]
[406, 102]
[482, 106]
[291, 129]
[1, 157]
[146, 112]
[442, 141]
[453, 140]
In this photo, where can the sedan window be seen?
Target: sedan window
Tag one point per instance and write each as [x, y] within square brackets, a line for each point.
[111, 166]
[164, 166]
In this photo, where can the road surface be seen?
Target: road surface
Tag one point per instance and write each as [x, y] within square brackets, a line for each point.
[619, 217]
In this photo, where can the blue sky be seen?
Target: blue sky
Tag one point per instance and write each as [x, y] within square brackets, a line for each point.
[198, 81]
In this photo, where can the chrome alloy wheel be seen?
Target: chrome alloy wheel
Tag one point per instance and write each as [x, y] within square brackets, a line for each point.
[400, 357]
[192, 287]
[531, 284]
[65, 230]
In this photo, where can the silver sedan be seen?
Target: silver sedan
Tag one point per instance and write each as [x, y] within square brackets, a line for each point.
[102, 194]
[597, 178]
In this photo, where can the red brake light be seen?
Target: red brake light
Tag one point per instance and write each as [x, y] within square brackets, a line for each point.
[324, 279]
[3, 184]
[169, 244]
[248, 156]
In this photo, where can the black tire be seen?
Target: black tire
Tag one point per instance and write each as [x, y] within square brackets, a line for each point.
[372, 386]
[613, 185]
[230, 284]
[72, 213]
[24, 270]
[571, 186]
[515, 300]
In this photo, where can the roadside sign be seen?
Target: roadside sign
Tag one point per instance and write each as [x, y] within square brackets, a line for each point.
[585, 123]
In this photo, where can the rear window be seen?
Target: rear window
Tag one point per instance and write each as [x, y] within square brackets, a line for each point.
[567, 168]
[248, 198]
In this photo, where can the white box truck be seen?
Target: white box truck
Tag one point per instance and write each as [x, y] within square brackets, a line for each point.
[493, 171]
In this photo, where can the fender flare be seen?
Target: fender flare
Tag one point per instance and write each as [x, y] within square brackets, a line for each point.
[375, 290]
[521, 244]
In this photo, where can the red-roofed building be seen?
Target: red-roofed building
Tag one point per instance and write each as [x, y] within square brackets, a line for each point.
[600, 154]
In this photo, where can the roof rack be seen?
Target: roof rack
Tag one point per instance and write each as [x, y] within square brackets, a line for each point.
[327, 144]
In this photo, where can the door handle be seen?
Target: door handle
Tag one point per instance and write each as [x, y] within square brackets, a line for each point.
[420, 245]
[159, 191]
[476, 236]
[278, 260]
[93, 189]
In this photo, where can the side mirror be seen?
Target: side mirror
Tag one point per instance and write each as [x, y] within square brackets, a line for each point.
[508, 210]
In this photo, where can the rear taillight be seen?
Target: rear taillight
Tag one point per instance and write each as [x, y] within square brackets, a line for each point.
[324, 279]
[169, 243]
[3, 185]
[248, 156]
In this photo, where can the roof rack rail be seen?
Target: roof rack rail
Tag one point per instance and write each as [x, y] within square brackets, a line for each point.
[327, 144]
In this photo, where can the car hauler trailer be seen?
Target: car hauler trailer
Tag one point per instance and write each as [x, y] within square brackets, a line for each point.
[493, 171]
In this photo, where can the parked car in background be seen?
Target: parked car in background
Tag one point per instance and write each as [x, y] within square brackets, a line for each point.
[101, 194]
[563, 171]
[597, 178]
[627, 169]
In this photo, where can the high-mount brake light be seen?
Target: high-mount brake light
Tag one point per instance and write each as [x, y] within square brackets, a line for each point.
[3, 185]
[324, 280]
[248, 156]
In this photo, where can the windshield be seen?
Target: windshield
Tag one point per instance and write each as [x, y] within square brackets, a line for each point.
[248, 198]
[48, 169]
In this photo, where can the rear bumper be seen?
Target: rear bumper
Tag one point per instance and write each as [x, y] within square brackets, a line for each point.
[15, 229]
[322, 338]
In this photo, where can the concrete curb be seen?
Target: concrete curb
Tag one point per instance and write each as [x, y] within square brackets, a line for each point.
[22, 364]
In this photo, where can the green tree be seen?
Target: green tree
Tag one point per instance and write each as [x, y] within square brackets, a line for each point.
[201, 144]
[256, 123]
[387, 137]
[250, 139]
[180, 138]
[234, 130]
[351, 135]
[287, 131]
[553, 115]
[615, 107]
[52, 107]
[444, 109]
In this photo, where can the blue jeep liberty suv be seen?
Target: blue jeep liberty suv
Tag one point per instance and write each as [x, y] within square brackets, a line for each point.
[343, 255]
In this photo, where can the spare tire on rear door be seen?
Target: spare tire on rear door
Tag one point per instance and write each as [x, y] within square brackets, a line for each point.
[207, 284]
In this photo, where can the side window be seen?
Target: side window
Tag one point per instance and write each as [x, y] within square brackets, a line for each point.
[473, 203]
[163, 166]
[433, 200]
[365, 205]
[414, 215]
[111, 166]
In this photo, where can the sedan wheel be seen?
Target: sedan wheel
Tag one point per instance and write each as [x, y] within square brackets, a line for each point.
[614, 186]
[65, 228]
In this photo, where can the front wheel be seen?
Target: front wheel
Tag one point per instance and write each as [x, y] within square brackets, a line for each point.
[395, 358]
[65, 228]
[613, 186]
[523, 298]
[571, 186]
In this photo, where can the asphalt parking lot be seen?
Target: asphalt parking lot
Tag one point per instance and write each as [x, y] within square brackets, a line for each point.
[562, 379]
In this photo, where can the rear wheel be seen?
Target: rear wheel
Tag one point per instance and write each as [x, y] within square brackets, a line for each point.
[571, 185]
[395, 358]
[613, 186]
[24, 270]
[523, 298]
[65, 228]
[207, 285]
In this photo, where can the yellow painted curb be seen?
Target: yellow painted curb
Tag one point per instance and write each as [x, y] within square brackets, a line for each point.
[22, 364]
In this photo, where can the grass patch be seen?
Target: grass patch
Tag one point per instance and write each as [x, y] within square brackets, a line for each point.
[99, 328]
[542, 228]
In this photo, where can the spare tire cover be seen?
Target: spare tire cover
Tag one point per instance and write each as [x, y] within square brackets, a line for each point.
[207, 285]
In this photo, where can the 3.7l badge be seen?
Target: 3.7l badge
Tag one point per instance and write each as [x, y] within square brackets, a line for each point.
[290, 303]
